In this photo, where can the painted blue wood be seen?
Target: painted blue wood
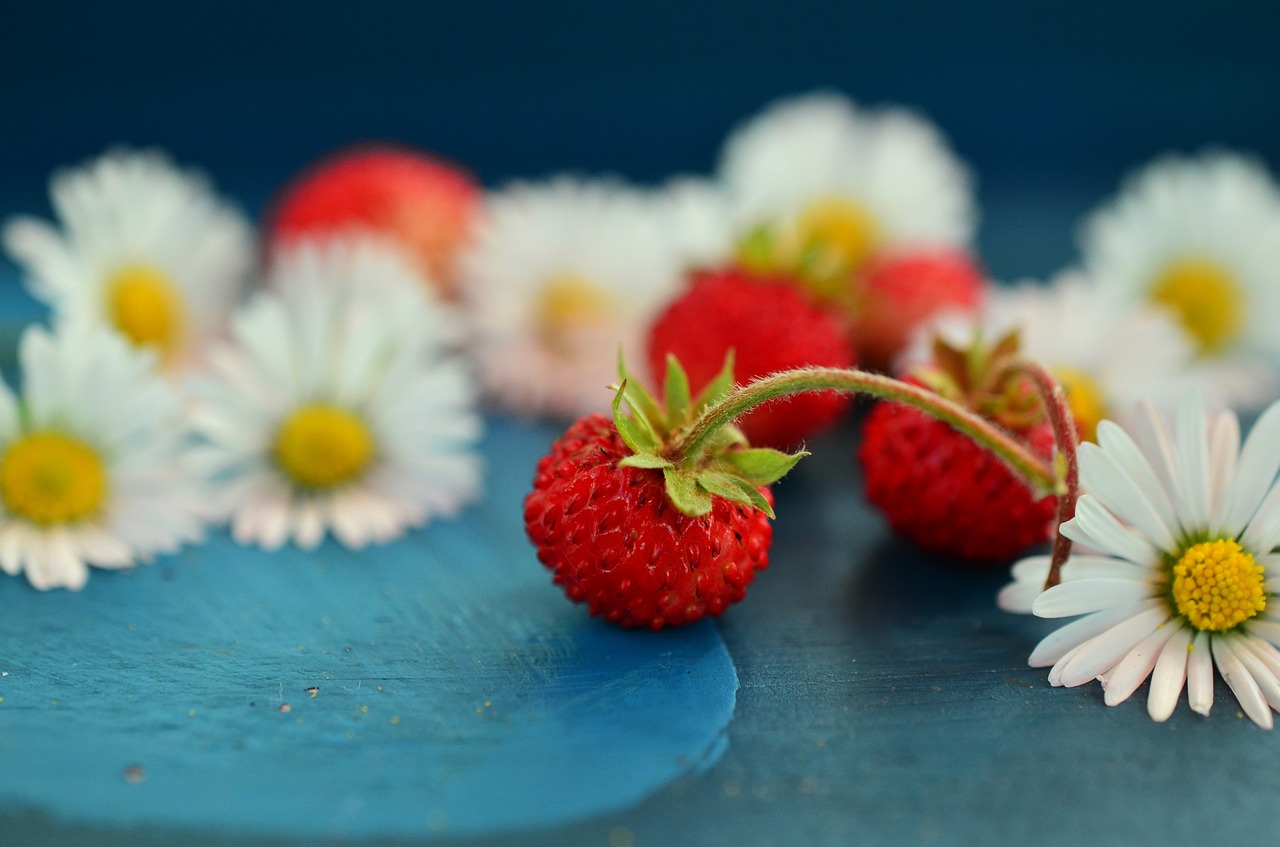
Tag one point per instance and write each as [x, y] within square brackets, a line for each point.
[439, 685]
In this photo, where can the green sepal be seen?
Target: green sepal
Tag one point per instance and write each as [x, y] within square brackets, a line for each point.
[639, 437]
[685, 493]
[756, 250]
[719, 387]
[677, 393]
[642, 403]
[761, 465]
[734, 489]
[644, 460]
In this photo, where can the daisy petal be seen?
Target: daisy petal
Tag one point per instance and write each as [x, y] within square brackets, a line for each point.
[1200, 675]
[1138, 664]
[1088, 595]
[1095, 527]
[1170, 674]
[1120, 494]
[1057, 643]
[1241, 682]
[1104, 651]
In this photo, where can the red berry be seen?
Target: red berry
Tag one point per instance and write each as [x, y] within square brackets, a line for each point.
[771, 326]
[613, 540]
[425, 204]
[947, 494]
[898, 293]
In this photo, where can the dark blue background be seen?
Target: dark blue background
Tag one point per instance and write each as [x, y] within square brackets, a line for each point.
[1049, 102]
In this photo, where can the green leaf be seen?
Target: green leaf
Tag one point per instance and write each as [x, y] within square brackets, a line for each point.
[685, 493]
[638, 437]
[735, 490]
[644, 460]
[761, 465]
[677, 393]
[718, 388]
[638, 397]
[757, 499]
[1007, 346]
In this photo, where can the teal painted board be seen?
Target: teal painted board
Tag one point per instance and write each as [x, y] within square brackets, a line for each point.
[439, 685]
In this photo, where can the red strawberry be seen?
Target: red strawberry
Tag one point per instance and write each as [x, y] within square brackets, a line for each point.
[423, 203]
[643, 540]
[940, 489]
[898, 293]
[771, 326]
[615, 542]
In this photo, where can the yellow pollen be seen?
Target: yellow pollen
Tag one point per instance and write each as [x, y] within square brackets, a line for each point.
[320, 446]
[1205, 297]
[146, 307]
[1217, 585]
[49, 478]
[1084, 398]
[570, 305]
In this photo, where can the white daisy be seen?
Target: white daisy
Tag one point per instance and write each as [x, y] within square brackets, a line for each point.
[559, 276]
[145, 248]
[818, 185]
[1200, 236]
[1107, 359]
[341, 406]
[699, 224]
[1183, 575]
[91, 458]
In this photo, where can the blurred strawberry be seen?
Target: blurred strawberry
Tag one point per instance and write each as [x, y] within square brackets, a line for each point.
[423, 203]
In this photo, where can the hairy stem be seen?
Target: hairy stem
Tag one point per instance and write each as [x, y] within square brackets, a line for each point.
[1064, 433]
[1038, 474]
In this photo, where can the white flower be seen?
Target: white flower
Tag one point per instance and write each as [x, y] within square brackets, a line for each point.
[818, 185]
[1107, 359]
[91, 461]
[699, 224]
[1200, 236]
[1182, 575]
[145, 248]
[559, 276]
[342, 405]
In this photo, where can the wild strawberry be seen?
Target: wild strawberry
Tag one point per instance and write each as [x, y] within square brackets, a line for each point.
[770, 326]
[941, 490]
[642, 540]
[421, 202]
[897, 293]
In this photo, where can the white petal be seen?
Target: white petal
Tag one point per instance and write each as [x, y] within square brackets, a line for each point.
[1057, 643]
[1095, 527]
[1104, 651]
[1192, 461]
[1170, 675]
[1089, 595]
[1138, 664]
[1129, 457]
[1256, 470]
[1200, 675]
[1263, 673]
[1241, 682]
[1120, 494]
[1224, 449]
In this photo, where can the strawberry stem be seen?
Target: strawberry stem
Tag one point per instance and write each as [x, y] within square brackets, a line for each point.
[1038, 474]
[1064, 433]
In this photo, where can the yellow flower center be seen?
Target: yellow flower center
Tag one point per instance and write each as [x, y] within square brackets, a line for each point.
[832, 238]
[49, 478]
[320, 446]
[1084, 398]
[1205, 297]
[568, 305]
[1217, 585]
[145, 306]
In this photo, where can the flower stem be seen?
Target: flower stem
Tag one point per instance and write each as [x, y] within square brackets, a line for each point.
[1038, 474]
[1064, 433]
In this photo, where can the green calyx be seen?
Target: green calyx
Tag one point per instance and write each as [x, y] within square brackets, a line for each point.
[723, 466]
[978, 377]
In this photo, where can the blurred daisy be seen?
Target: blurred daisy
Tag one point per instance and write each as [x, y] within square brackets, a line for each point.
[1183, 576]
[1107, 360]
[1201, 237]
[341, 406]
[90, 461]
[698, 221]
[560, 276]
[818, 186]
[144, 247]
